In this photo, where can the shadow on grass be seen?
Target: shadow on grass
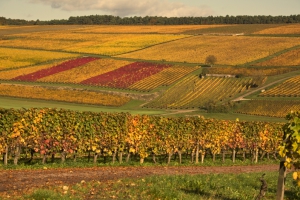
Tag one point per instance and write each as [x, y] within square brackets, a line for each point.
[207, 194]
[292, 195]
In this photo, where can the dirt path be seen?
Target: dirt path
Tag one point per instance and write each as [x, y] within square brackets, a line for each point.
[19, 180]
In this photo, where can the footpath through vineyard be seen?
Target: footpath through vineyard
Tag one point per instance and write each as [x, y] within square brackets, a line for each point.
[22, 180]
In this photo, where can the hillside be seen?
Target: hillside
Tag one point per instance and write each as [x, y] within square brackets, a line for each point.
[154, 69]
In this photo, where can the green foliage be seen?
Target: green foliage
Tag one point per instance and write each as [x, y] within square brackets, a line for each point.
[290, 148]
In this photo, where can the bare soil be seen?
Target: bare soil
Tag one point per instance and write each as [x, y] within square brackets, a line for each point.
[22, 180]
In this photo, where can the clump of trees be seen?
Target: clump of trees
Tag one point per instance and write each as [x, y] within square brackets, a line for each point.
[210, 60]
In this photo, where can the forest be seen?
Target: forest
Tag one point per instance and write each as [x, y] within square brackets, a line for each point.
[156, 20]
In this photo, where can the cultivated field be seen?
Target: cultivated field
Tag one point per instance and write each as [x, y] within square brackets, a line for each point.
[134, 95]
[165, 63]
[281, 30]
[13, 58]
[229, 50]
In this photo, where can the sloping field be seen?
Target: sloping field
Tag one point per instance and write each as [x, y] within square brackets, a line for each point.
[231, 29]
[11, 30]
[95, 43]
[195, 92]
[164, 78]
[271, 108]
[11, 73]
[70, 64]
[62, 94]
[228, 50]
[12, 58]
[284, 29]
[290, 58]
[250, 71]
[87, 71]
[289, 88]
[125, 76]
[169, 29]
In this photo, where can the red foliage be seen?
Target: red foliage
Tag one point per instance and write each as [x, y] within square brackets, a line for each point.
[126, 75]
[55, 69]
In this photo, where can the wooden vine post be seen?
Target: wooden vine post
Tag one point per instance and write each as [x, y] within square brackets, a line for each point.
[281, 180]
[289, 150]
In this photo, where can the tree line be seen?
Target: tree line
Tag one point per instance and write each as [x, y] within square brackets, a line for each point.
[157, 20]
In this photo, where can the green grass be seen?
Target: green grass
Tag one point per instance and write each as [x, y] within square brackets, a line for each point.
[17, 103]
[244, 186]
[82, 161]
[131, 107]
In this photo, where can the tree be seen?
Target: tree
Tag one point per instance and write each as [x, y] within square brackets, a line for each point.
[211, 59]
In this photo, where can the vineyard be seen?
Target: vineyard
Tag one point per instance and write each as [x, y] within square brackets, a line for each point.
[90, 43]
[228, 49]
[195, 92]
[13, 58]
[125, 76]
[62, 94]
[147, 29]
[289, 58]
[186, 108]
[289, 88]
[285, 29]
[86, 71]
[163, 67]
[53, 70]
[164, 78]
[249, 71]
[273, 108]
[64, 132]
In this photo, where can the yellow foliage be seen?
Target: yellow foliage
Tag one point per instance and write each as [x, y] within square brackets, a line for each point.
[228, 50]
[288, 88]
[104, 44]
[165, 77]
[195, 92]
[12, 58]
[295, 175]
[290, 58]
[76, 96]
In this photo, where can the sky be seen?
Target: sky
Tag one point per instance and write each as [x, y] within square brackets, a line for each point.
[63, 9]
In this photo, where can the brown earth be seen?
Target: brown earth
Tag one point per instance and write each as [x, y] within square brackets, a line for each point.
[21, 180]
